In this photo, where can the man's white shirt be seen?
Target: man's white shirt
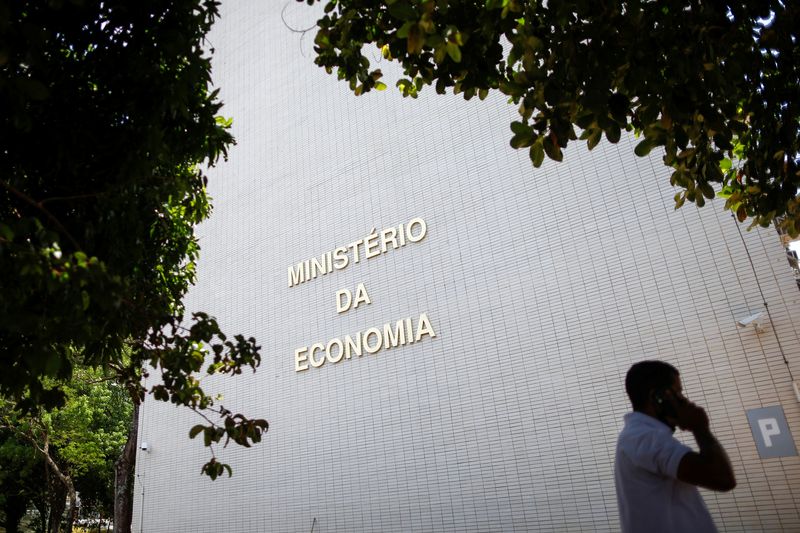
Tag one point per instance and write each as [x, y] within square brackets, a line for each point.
[651, 498]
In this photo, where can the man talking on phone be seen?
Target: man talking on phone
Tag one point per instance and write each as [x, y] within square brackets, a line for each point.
[656, 475]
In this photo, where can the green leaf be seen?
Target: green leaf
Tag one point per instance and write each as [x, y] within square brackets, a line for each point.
[6, 233]
[195, 431]
[613, 132]
[438, 55]
[643, 148]
[552, 149]
[224, 122]
[594, 138]
[706, 189]
[520, 128]
[416, 39]
[537, 153]
[403, 31]
[521, 140]
[680, 178]
[402, 10]
[454, 52]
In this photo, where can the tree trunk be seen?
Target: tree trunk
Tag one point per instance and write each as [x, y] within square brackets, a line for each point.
[40, 503]
[73, 506]
[62, 487]
[58, 502]
[15, 506]
[123, 476]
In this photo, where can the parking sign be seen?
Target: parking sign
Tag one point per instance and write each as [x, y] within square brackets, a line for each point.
[771, 432]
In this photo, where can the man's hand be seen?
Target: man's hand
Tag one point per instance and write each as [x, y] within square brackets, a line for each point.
[688, 416]
[710, 468]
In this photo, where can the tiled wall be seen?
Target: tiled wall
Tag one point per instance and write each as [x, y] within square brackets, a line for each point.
[542, 286]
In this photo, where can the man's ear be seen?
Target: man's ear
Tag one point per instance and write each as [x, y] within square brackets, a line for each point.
[656, 398]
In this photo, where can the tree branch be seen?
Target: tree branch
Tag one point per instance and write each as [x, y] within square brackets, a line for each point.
[69, 198]
[44, 450]
[38, 205]
[213, 424]
[101, 380]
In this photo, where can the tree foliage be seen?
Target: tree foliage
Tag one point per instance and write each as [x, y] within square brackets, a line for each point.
[21, 479]
[716, 85]
[107, 119]
[81, 440]
[87, 434]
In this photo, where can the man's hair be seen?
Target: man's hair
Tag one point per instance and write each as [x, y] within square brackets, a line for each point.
[647, 376]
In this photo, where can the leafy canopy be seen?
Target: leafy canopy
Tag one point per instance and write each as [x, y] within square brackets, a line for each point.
[84, 437]
[22, 478]
[107, 118]
[716, 85]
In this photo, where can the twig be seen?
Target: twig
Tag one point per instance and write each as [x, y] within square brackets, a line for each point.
[213, 424]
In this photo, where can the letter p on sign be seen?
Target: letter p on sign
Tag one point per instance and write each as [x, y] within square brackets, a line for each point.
[769, 428]
[771, 432]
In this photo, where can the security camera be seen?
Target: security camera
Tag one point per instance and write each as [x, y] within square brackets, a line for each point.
[144, 446]
[746, 321]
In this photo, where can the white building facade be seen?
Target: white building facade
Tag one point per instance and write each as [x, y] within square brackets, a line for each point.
[506, 304]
